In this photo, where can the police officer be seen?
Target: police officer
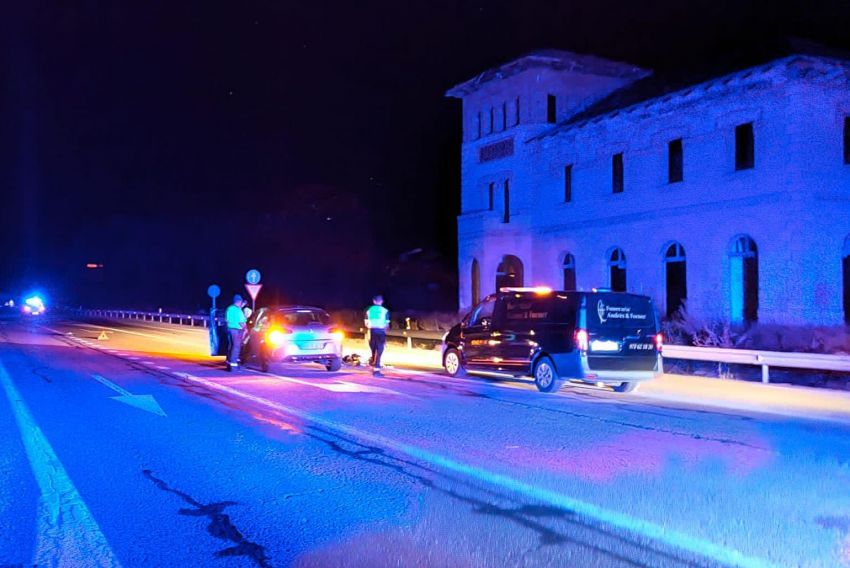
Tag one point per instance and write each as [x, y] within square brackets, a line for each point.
[377, 322]
[236, 321]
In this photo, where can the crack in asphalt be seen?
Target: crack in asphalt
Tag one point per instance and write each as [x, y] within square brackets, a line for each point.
[221, 527]
[528, 516]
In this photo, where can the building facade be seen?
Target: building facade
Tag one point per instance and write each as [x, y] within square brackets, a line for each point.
[732, 195]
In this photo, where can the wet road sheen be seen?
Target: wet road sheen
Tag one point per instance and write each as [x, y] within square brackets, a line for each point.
[139, 450]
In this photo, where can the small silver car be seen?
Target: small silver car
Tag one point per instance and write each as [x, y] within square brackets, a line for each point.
[293, 334]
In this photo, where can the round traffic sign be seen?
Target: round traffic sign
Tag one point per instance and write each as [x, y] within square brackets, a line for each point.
[253, 276]
[214, 291]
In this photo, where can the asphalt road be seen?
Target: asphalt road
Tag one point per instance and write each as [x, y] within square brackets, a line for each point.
[139, 450]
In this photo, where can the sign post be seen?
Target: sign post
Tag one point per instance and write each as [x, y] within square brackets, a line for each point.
[213, 292]
[252, 284]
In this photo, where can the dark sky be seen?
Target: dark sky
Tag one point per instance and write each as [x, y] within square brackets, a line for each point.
[170, 140]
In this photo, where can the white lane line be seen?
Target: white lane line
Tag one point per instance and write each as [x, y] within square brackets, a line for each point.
[68, 534]
[162, 368]
[622, 521]
[340, 386]
[167, 339]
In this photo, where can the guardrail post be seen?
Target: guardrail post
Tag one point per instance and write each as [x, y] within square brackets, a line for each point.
[765, 369]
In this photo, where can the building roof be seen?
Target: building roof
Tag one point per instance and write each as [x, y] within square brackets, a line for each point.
[550, 59]
[663, 88]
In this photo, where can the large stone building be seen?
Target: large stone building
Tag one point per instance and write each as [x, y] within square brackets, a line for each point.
[734, 193]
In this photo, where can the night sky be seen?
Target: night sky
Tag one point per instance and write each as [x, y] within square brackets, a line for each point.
[181, 143]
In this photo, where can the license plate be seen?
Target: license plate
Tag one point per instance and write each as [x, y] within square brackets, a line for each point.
[311, 345]
[599, 345]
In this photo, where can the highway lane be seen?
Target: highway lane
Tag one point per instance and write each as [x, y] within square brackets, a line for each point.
[307, 468]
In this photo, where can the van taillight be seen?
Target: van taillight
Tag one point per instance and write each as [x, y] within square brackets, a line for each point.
[659, 341]
[582, 340]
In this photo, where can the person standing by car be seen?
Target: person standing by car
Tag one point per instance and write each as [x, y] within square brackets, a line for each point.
[236, 322]
[377, 322]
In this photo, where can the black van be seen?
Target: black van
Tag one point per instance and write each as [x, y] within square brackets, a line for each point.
[599, 337]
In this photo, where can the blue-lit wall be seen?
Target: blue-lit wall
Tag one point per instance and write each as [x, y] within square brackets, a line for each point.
[795, 202]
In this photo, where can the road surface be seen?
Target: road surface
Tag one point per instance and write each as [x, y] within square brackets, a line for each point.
[139, 450]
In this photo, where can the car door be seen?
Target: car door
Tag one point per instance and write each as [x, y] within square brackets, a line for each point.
[524, 320]
[476, 335]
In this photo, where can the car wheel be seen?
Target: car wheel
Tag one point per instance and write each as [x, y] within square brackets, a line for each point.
[545, 376]
[453, 363]
[334, 365]
[626, 387]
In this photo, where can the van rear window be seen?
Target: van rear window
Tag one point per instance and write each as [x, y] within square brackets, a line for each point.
[619, 310]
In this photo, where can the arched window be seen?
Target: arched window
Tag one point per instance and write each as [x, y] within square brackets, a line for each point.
[475, 282]
[845, 265]
[617, 269]
[569, 272]
[743, 279]
[509, 272]
[675, 277]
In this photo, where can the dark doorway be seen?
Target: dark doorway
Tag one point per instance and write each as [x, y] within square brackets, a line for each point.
[845, 263]
[617, 270]
[509, 273]
[569, 272]
[476, 282]
[676, 278]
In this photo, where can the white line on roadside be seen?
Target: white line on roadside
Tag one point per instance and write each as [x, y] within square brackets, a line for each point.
[340, 386]
[647, 529]
[68, 534]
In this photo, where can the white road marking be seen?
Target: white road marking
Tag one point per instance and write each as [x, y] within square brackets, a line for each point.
[340, 386]
[140, 401]
[168, 339]
[622, 521]
[68, 534]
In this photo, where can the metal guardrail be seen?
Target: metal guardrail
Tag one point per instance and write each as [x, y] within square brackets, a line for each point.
[763, 359]
[161, 317]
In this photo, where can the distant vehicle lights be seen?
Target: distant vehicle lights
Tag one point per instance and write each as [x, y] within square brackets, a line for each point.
[34, 305]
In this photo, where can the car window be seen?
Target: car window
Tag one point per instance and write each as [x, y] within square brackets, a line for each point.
[261, 319]
[620, 311]
[483, 311]
[558, 308]
[303, 317]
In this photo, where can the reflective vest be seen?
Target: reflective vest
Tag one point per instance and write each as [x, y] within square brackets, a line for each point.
[377, 317]
[235, 317]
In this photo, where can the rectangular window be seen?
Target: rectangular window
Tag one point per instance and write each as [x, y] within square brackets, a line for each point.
[504, 115]
[516, 111]
[568, 183]
[551, 109]
[675, 165]
[507, 215]
[478, 124]
[492, 120]
[744, 147]
[491, 196]
[617, 173]
[847, 139]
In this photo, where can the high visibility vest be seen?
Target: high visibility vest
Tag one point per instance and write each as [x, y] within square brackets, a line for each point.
[235, 317]
[377, 317]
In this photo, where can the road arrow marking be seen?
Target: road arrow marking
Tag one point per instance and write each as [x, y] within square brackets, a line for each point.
[140, 401]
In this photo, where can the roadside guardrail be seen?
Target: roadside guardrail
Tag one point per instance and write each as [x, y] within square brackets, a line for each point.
[763, 359]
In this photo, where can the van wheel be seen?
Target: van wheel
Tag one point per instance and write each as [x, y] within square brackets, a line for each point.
[453, 363]
[626, 387]
[545, 376]
[334, 365]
